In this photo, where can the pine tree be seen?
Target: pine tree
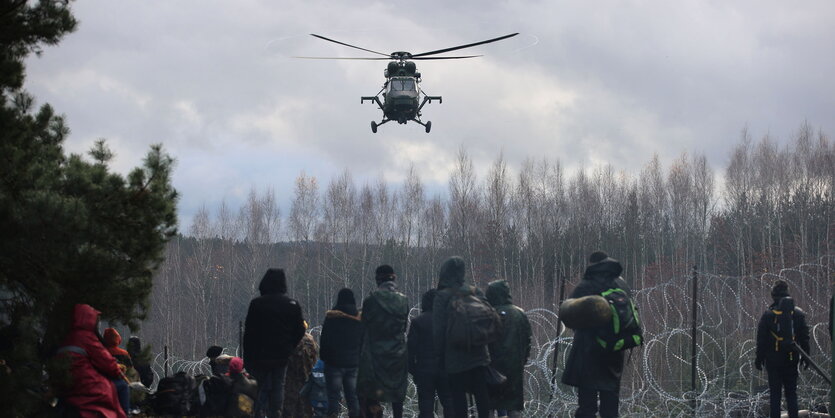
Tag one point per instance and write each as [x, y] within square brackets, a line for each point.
[72, 231]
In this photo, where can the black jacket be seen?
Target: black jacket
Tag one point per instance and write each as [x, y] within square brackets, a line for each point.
[274, 325]
[341, 338]
[587, 365]
[423, 357]
[766, 348]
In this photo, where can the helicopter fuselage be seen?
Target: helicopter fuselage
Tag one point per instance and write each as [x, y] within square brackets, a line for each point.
[401, 97]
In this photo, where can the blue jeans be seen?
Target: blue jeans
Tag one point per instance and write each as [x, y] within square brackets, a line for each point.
[338, 379]
[123, 391]
[270, 391]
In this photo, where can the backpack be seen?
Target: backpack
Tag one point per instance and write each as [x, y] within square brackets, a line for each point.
[471, 321]
[217, 391]
[174, 395]
[782, 327]
[625, 329]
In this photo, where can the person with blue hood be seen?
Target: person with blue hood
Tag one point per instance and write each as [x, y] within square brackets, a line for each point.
[273, 328]
[595, 373]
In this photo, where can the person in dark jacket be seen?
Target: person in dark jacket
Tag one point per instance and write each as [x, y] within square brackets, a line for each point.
[92, 368]
[466, 368]
[781, 358]
[510, 354]
[383, 366]
[274, 326]
[243, 390]
[140, 361]
[424, 362]
[594, 372]
[340, 342]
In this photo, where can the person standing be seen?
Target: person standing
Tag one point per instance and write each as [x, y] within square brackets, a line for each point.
[510, 354]
[341, 340]
[781, 329]
[466, 367]
[273, 328]
[299, 367]
[424, 362]
[383, 364]
[596, 373]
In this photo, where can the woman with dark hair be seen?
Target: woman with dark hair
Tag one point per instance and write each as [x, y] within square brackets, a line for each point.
[340, 343]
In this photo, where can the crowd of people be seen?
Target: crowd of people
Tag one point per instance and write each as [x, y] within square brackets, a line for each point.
[464, 341]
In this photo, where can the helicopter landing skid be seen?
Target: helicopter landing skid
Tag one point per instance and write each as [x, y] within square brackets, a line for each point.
[427, 125]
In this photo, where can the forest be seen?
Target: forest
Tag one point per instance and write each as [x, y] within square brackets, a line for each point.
[770, 207]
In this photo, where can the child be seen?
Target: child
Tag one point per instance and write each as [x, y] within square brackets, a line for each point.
[315, 390]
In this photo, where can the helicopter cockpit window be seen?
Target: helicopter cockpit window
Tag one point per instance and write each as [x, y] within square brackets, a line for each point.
[406, 84]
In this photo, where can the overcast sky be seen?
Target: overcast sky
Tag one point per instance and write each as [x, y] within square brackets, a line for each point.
[587, 83]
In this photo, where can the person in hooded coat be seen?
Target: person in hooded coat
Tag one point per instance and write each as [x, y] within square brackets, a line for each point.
[140, 362]
[510, 353]
[92, 368]
[341, 340]
[273, 328]
[781, 360]
[466, 368]
[111, 340]
[383, 365]
[299, 367]
[594, 372]
[424, 362]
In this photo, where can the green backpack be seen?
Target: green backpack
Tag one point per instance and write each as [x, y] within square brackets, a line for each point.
[624, 332]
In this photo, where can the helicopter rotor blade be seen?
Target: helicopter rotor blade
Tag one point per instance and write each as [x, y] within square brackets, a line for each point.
[345, 58]
[447, 58]
[439, 51]
[349, 45]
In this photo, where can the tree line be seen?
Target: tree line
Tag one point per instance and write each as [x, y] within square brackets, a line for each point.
[534, 227]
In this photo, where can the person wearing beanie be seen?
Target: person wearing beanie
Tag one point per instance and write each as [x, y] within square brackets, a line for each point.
[782, 328]
[273, 328]
[340, 342]
[595, 373]
[424, 362]
[382, 375]
[466, 367]
[243, 390]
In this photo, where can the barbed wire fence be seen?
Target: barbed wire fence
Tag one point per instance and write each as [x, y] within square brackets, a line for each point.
[657, 377]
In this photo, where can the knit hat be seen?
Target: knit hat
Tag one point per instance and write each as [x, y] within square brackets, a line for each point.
[780, 289]
[236, 366]
[214, 351]
[384, 273]
[597, 257]
[273, 282]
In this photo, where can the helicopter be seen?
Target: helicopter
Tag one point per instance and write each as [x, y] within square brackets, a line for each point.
[401, 92]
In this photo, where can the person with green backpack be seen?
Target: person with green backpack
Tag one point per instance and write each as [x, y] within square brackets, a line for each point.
[595, 362]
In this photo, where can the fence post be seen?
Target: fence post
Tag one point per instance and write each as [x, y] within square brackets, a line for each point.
[165, 361]
[832, 363]
[693, 368]
[241, 339]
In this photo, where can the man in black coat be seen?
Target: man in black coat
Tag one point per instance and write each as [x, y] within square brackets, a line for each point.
[340, 343]
[780, 355]
[274, 327]
[593, 371]
[424, 362]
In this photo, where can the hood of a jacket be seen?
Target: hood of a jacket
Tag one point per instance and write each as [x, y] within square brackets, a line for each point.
[336, 313]
[452, 273]
[608, 268]
[273, 282]
[498, 293]
[427, 300]
[85, 317]
[111, 337]
[389, 298]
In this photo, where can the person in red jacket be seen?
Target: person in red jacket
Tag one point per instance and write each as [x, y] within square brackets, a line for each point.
[111, 341]
[92, 368]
